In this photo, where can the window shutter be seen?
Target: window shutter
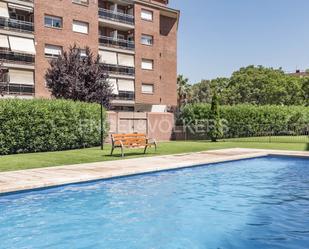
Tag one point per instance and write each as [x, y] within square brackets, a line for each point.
[126, 60]
[126, 85]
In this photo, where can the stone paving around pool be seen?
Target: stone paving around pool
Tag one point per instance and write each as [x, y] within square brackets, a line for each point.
[54, 176]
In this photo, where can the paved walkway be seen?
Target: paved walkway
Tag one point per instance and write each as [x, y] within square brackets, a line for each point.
[53, 176]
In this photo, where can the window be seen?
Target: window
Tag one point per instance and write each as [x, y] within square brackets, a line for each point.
[4, 12]
[108, 57]
[22, 45]
[20, 76]
[52, 50]
[147, 40]
[147, 64]
[147, 88]
[120, 36]
[113, 7]
[126, 60]
[53, 22]
[113, 34]
[85, 2]
[80, 27]
[120, 11]
[126, 85]
[4, 42]
[147, 15]
[114, 86]
[5, 77]
[131, 38]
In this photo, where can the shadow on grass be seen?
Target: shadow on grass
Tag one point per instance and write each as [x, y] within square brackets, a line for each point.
[307, 147]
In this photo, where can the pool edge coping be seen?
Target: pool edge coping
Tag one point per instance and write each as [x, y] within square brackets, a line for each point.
[250, 154]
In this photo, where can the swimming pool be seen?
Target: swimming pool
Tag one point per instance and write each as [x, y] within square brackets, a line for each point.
[254, 203]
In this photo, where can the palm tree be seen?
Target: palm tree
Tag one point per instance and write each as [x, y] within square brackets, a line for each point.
[183, 90]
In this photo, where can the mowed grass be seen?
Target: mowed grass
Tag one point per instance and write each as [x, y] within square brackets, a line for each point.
[48, 159]
[273, 139]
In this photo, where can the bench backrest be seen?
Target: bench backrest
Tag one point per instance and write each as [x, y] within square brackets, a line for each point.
[131, 140]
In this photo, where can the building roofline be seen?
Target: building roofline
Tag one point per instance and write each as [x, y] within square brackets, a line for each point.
[166, 8]
[163, 8]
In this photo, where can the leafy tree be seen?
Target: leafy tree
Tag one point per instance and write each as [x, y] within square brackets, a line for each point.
[262, 86]
[215, 124]
[183, 90]
[201, 92]
[294, 94]
[219, 84]
[80, 78]
[249, 85]
[305, 90]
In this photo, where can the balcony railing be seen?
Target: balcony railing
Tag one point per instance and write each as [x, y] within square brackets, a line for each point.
[121, 70]
[124, 96]
[117, 43]
[16, 89]
[116, 16]
[10, 56]
[13, 24]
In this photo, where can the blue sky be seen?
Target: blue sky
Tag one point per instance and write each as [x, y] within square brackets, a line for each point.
[216, 37]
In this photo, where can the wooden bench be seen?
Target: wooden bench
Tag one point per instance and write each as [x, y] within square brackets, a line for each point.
[131, 141]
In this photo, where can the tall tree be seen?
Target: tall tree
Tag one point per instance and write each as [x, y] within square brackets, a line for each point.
[305, 89]
[202, 92]
[77, 77]
[261, 86]
[215, 124]
[183, 90]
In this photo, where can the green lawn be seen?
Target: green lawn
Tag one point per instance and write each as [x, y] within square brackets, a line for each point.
[48, 159]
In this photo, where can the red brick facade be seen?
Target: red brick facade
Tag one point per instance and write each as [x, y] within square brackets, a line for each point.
[164, 54]
[163, 51]
[63, 37]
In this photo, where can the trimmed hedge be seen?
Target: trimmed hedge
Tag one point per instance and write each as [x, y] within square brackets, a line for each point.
[48, 125]
[251, 120]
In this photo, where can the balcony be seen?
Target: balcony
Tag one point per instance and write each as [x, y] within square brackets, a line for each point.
[9, 56]
[119, 70]
[116, 16]
[16, 89]
[25, 1]
[116, 43]
[16, 25]
[124, 96]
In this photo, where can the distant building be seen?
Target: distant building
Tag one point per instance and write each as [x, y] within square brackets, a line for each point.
[300, 73]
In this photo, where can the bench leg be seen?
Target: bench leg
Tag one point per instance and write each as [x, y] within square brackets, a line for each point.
[112, 151]
[145, 149]
[122, 154]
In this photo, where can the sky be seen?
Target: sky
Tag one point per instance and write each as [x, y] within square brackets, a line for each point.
[217, 37]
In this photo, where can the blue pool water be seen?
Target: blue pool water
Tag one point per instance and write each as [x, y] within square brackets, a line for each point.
[257, 203]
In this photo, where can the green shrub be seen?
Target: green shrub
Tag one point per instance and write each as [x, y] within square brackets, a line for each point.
[215, 124]
[251, 120]
[48, 125]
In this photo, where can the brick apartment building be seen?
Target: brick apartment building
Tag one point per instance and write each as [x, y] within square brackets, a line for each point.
[137, 39]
